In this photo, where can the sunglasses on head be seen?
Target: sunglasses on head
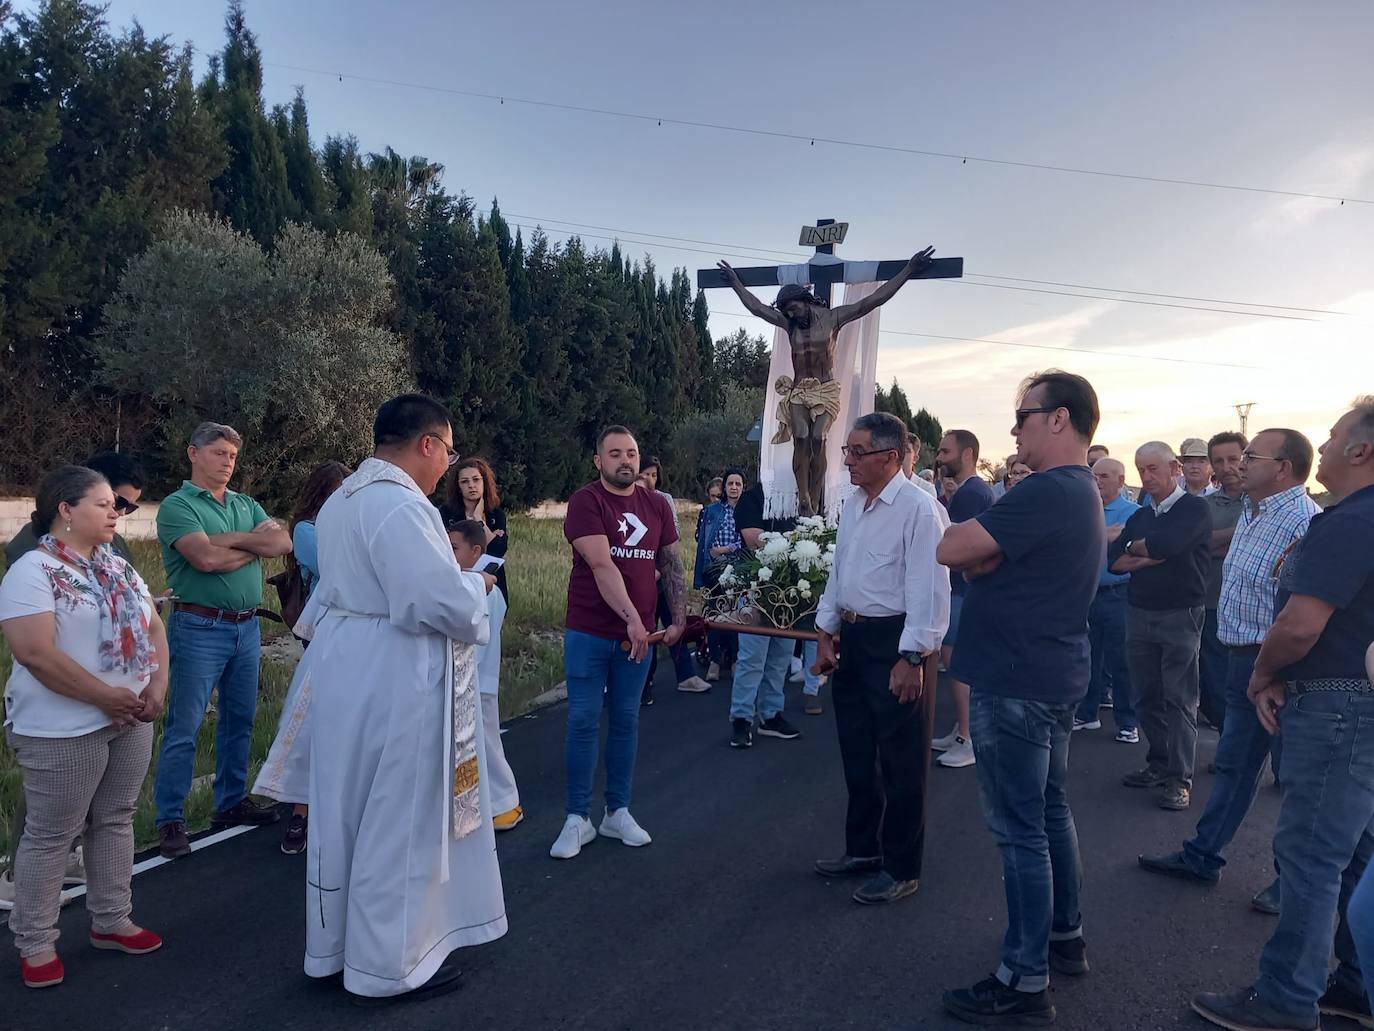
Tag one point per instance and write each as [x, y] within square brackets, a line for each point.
[124, 506]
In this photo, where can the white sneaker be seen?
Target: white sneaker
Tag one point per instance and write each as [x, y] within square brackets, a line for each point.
[959, 755]
[577, 831]
[713, 672]
[795, 674]
[944, 744]
[7, 892]
[1086, 724]
[76, 869]
[620, 824]
[1128, 736]
[693, 685]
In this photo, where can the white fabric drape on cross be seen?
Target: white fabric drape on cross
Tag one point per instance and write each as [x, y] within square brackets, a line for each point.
[856, 370]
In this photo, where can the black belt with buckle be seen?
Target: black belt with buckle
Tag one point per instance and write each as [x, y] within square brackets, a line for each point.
[853, 617]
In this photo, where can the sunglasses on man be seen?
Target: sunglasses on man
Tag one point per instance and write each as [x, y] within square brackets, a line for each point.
[1022, 413]
[124, 506]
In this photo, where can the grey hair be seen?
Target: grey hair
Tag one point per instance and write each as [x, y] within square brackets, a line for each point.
[208, 432]
[1158, 447]
[888, 431]
[1362, 430]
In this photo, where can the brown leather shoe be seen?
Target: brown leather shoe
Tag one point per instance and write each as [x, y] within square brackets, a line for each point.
[811, 705]
[172, 841]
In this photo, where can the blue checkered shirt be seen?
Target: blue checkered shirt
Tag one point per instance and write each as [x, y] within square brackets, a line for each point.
[1250, 574]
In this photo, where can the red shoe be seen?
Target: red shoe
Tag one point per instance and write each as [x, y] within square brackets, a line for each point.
[134, 944]
[45, 976]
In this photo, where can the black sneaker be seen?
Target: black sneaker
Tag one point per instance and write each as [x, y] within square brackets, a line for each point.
[741, 734]
[1340, 1001]
[172, 842]
[293, 841]
[1069, 956]
[246, 813]
[992, 1002]
[1243, 1009]
[1175, 864]
[777, 726]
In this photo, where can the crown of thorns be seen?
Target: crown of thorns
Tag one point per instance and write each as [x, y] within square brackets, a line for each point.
[792, 292]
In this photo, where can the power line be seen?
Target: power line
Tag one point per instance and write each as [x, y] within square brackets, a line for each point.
[738, 251]
[813, 140]
[1038, 347]
[991, 286]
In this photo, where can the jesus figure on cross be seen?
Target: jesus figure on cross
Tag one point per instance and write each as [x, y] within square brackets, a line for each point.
[810, 402]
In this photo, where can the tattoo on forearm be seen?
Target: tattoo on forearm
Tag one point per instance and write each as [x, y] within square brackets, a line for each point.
[674, 580]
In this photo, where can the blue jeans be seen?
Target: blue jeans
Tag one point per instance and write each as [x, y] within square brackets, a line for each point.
[1213, 668]
[1107, 642]
[1360, 923]
[1240, 758]
[811, 682]
[1022, 750]
[760, 676]
[207, 652]
[600, 672]
[1328, 804]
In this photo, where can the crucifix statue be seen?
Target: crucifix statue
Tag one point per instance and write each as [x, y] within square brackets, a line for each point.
[809, 402]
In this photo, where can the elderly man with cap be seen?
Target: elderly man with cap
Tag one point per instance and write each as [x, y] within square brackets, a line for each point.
[1197, 467]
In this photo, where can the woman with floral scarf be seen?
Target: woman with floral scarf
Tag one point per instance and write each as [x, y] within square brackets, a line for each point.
[89, 679]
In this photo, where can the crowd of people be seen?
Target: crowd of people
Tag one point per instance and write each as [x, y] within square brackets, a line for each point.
[1220, 593]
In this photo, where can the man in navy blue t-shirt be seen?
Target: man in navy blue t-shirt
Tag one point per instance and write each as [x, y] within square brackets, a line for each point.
[957, 459]
[1310, 679]
[1033, 561]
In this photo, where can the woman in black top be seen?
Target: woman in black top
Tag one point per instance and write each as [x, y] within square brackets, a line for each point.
[472, 494]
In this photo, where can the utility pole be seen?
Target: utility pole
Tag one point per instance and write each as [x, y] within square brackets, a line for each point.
[1243, 410]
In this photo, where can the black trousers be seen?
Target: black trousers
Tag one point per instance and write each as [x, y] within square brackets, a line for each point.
[885, 747]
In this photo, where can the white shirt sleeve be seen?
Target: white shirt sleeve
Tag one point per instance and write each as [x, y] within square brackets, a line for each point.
[927, 582]
[25, 590]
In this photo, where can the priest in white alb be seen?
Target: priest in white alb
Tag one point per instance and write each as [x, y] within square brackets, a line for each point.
[401, 862]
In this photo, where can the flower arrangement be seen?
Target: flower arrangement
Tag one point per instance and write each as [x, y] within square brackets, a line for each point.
[781, 583]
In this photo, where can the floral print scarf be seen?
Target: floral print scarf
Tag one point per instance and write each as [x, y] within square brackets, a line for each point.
[124, 643]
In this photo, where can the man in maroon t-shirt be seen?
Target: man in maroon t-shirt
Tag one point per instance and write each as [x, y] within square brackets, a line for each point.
[623, 541]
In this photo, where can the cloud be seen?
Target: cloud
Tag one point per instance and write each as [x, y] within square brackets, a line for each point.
[1336, 169]
[1305, 377]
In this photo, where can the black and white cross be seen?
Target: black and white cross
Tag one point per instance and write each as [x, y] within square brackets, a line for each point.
[825, 269]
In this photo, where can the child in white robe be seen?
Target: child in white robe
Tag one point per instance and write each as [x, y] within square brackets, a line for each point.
[468, 537]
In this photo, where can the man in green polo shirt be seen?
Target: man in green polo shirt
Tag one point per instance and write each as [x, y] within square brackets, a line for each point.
[213, 542]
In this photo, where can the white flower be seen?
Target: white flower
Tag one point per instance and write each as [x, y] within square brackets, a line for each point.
[807, 553]
[805, 587]
[727, 575]
[765, 574]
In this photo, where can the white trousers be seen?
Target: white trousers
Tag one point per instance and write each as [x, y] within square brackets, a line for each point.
[505, 796]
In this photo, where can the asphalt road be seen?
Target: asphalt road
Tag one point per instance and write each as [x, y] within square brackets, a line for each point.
[720, 923]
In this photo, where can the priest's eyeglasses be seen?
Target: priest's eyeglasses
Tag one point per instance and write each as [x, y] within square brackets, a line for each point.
[452, 454]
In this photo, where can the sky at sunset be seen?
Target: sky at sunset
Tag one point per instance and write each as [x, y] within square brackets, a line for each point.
[1267, 95]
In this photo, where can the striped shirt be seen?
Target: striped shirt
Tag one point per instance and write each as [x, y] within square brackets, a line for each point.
[1249, 576]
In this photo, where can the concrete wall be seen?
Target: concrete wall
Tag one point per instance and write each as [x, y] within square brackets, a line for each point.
[15, 512]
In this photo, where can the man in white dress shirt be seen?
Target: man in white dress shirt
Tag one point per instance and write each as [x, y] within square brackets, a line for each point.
[886, 605]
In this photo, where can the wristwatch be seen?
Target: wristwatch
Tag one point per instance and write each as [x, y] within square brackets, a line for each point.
[915, 658]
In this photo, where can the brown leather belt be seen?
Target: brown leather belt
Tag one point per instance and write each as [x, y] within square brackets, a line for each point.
[853, 617]
[227, 615]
